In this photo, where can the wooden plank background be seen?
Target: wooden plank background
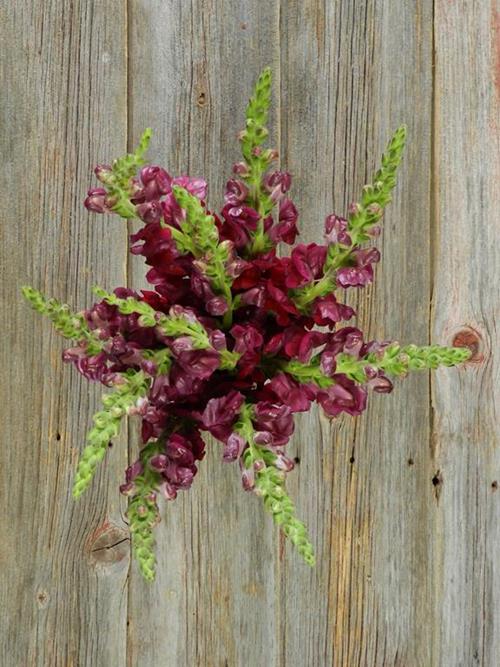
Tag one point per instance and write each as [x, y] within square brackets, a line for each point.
[403, 503]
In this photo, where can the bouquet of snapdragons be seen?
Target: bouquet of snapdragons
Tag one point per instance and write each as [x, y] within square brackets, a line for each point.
[232, 339]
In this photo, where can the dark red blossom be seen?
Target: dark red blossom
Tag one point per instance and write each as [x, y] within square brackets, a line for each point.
[248, 343]
[156, 182]
[305, 264]
[296, 395]
[286, 229]
[344, 396]
[277, 183]
[299, 343]
[220, 414]
[97, 200]
[327, 311]
[236, 192]
[273, 423]
[177, 462]
[361, 273]
[239, 222]
[336, 230]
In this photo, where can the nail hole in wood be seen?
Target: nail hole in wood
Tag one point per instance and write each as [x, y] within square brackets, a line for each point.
[243, 26]
[494, 485]
[202, 99]
[437, 483]
[410, 461]
[352, 459]
[297, 460]
[110, 444]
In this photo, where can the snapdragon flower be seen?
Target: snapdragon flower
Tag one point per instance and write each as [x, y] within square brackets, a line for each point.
[226, 341]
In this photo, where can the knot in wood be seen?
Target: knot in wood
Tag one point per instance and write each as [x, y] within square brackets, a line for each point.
[470, 338]
[108, 544]
[42, 598]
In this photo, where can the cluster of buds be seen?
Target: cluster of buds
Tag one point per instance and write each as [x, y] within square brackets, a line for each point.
[232, 339]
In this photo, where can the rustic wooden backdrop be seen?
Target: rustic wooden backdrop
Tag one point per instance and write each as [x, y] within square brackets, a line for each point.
[403, 504]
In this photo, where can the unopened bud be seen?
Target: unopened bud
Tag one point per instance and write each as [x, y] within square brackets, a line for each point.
[103, 173]
[128, 489]
[375, 209]
[96, 200]
[142, 510]
[374, 231]
[355, 209]
[241, 168]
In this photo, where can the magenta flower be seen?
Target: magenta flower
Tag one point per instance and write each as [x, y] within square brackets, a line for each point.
[299, 343]
[236, 192]
[297, 396]
[286, 229]
[97, 200]
[239, 222]
[336, 230]
[156, 183]
[277, 183]
[220, 414]
[343, 396]
[273, 424]
[305, 264]
[361, 273]
[327, 311]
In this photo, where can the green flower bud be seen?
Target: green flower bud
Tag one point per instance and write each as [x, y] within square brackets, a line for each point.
[106, 424]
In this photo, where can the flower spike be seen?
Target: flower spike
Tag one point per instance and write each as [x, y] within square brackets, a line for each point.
[129, 389]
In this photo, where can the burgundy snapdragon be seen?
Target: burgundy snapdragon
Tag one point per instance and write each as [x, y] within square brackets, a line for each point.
[361, 273]
[225, 341]
[268, 325]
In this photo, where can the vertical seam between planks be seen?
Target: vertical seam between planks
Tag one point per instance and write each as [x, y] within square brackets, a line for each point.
[281, 643]
[433, 214]
[433, 234]
[126, 3]
[433, 217]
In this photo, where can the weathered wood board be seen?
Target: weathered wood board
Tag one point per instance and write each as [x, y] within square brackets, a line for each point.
[402, 503]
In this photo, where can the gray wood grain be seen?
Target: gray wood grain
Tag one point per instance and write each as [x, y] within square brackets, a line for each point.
[466, 308]
[63, 105]
[214, 600]
[346, 88]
